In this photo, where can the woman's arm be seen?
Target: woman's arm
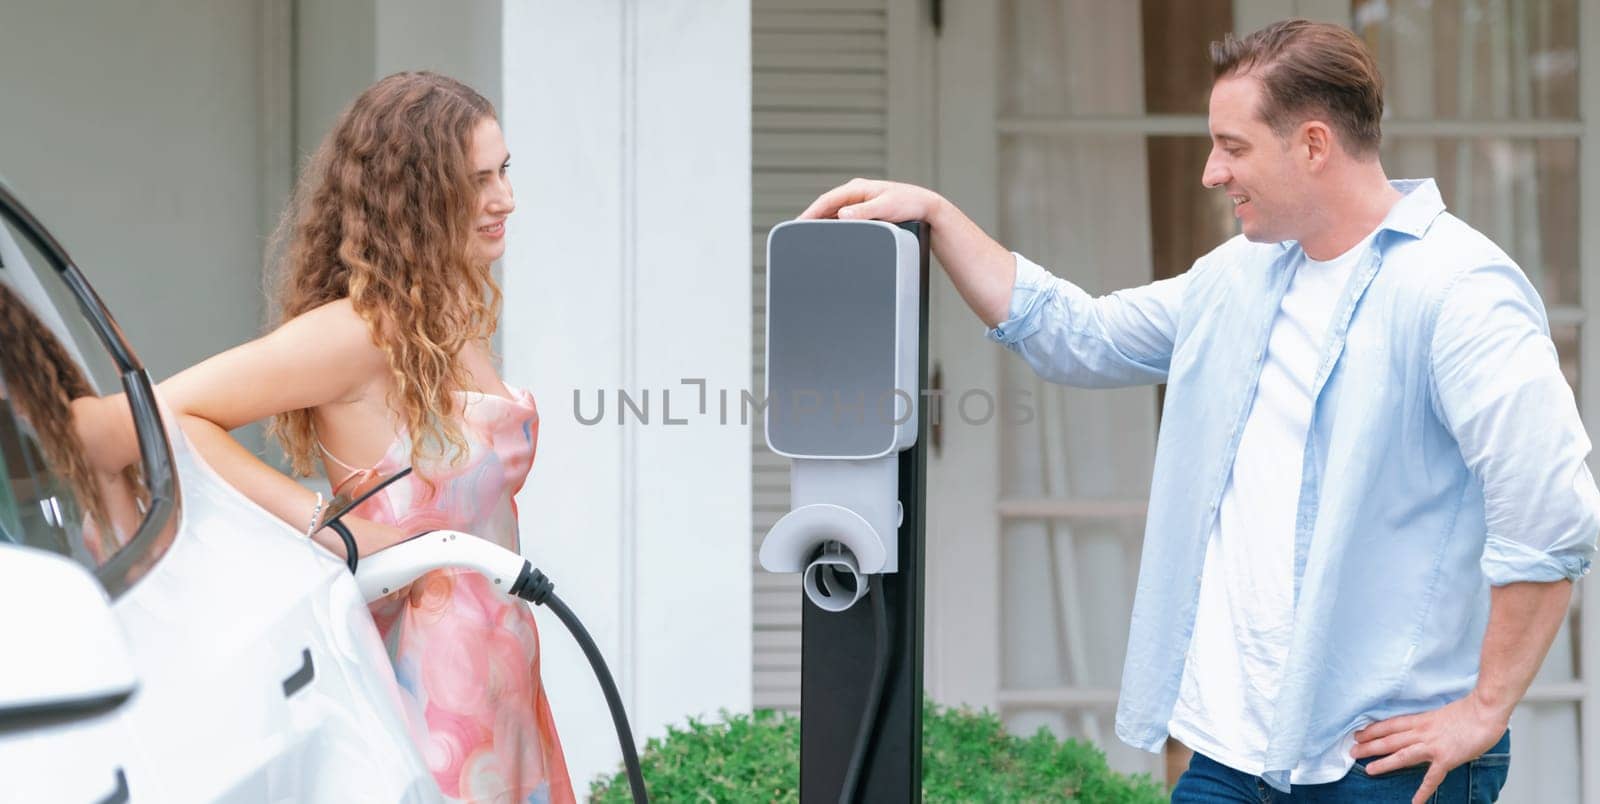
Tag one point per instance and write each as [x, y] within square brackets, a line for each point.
[322, 356]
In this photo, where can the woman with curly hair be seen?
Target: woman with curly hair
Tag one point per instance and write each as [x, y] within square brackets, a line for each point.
[381, 361]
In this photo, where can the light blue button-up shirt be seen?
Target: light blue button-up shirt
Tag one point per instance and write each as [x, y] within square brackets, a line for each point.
[1444, 455]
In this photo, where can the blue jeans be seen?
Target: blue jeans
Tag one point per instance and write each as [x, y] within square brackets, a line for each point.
[1477, 782]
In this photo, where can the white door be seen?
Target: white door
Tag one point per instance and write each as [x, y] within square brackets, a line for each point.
[1075, 132]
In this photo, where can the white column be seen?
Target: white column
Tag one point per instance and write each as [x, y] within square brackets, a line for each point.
[627, 269]
[691, 273]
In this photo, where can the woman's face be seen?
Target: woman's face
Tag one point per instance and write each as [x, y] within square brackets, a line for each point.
[490, 162]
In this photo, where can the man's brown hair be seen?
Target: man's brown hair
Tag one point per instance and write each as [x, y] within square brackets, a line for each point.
[1308, 69]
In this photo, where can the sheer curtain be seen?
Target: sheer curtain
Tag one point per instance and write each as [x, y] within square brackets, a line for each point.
[1077, 204]
[1106, 211]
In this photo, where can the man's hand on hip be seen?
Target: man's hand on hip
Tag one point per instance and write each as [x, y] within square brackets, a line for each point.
[1445, 738]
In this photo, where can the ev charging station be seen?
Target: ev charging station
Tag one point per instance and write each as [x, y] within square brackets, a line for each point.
[847, 322]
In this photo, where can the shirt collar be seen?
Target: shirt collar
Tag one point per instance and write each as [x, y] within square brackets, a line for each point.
[1419, 205]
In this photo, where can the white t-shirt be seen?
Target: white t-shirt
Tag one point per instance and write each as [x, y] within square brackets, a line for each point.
[1245, 617]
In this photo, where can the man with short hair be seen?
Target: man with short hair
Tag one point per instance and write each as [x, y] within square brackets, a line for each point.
[1370, 496]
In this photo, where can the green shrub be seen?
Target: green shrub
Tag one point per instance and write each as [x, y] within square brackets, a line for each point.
[966, 756]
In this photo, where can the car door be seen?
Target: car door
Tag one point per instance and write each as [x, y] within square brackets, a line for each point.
[54, 498]
[64, 680]
[261, 675]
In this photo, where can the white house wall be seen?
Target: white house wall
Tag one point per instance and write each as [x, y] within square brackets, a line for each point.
[335, 53]
[460, 39]
[627, 270]
[131, 131]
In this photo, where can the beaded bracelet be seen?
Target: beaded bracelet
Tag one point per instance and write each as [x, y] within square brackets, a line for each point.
[316, 517]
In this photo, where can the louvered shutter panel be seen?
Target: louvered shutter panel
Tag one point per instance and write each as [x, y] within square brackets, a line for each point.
[818, 112]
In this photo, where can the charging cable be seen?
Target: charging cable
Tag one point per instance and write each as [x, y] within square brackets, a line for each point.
[536, 588]
[336, 524]
[866, 735]
[402, 563]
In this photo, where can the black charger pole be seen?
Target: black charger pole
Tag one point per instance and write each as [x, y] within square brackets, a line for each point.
[839, 649]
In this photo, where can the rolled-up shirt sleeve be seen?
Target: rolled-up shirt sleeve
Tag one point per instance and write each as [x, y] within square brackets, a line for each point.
[1499, 389]
[1070, 337]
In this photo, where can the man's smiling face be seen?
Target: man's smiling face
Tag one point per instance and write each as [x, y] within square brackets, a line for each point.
[1253, 165]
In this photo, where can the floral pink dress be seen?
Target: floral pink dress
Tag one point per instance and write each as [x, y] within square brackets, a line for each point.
[465, 653]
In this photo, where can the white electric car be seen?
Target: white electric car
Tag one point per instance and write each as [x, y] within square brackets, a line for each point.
[162, 638]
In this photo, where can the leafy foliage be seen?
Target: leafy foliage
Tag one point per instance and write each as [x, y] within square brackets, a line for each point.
[966, 756]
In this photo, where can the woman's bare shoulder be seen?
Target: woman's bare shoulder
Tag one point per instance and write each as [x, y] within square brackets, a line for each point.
[339, 317]
[334, 327]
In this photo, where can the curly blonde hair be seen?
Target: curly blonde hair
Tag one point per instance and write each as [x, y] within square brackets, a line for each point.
[383, 216]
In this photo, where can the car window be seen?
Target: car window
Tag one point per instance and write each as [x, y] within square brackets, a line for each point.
[76, 475]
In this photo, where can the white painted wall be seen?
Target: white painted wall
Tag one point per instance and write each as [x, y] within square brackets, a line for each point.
[690, 264]
[342, 46]
[336, 57]
[131, 131]
[627, 268]
[460, 39]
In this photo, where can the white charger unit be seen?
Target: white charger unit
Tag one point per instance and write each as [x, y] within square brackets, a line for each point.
[841, 357]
